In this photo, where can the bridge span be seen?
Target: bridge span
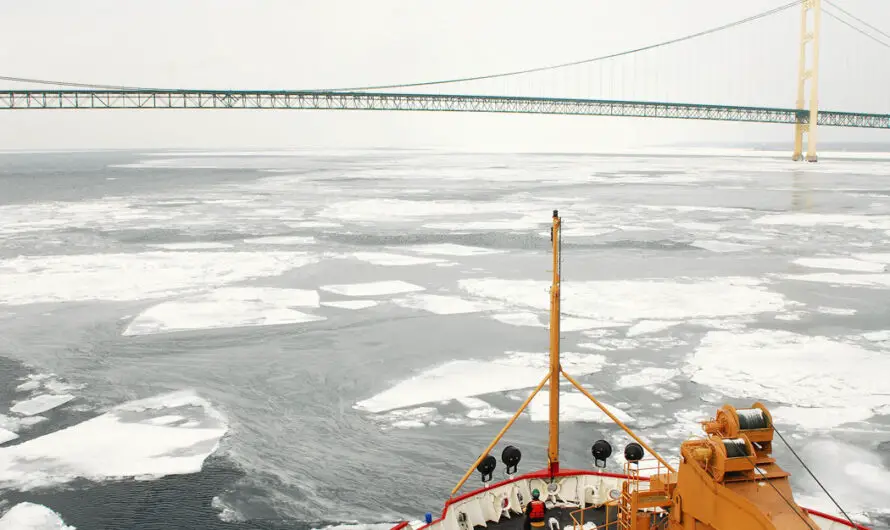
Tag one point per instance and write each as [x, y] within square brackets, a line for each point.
[370, 101]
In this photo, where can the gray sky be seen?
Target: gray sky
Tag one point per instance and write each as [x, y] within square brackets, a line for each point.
[294, 44]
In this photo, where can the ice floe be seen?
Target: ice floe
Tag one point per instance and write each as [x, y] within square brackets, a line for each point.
[351, 304]
[818, 219]
[522, 318]
[574, 406]
[13, 424]
[450, 249]
[721, 246]
[392, 260]
[118, 277]
[606, 343]
[524, 223]
[835, 311]
[468, 378]
[197, 245]
[445, 305]
[482, 410]
[875, 257]
[7, 435]
[123, 442]
[628, 300]
[566, 324]
[399, 210]
[877, 336]
[227, 307]
[861, 280]
[410, 418]
[644, 327]
[819, 417]
[281, 240]
[647, 376]
[700, 227]
[30, 516]
[790, 368]
[372, 288]
[40, 404]
[847, 264]
[47, 382]
[582, 231]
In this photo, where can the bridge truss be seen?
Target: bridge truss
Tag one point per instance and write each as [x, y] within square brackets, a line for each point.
[368, 101]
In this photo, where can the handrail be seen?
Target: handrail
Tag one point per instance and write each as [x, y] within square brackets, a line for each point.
[579, 525]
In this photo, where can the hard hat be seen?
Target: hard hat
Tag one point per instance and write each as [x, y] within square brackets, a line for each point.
[535, 493]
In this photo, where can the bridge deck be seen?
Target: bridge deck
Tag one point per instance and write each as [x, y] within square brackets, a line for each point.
[310, 100]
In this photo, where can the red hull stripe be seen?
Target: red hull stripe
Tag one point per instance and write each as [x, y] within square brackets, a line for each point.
[545, 474]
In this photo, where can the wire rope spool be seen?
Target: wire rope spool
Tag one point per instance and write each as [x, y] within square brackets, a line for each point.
[752, 419]
[729, 455]
[736, 447]
[755, 422]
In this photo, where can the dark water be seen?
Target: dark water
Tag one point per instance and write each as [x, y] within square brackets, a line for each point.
[296, 453]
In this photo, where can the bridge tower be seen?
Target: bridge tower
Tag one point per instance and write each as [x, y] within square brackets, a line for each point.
[808, 70]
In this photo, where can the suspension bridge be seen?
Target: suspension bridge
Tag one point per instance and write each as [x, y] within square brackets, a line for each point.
[805, 116]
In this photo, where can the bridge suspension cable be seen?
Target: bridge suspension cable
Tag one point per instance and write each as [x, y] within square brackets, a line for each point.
[633, 51]
[854, 17]
[582, 61]
[859, 30]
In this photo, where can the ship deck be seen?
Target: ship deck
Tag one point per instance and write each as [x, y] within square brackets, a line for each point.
[517, 521]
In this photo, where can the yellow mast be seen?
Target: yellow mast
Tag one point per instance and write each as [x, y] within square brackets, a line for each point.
[553, 448]
[553, 377]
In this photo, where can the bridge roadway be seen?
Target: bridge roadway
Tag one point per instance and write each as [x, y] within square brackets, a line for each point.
[314, 100]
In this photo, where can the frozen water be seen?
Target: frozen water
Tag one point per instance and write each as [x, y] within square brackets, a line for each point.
[228, 307]
[644, 327]
[574, 406]
[468, 378]
[209, 245]
[847, 264]
[33, 279]
[444, 305]
[623, 301]
[281, 240]
[721, 246]
[785, 367]
[393, 260]
[40, 404]
[450, 249]
[123, 442]
[30, 516]
[351, 304]
[372, 288]
[647, 376]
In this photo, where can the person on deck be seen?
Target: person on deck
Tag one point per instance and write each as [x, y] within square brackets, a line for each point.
[535, 511]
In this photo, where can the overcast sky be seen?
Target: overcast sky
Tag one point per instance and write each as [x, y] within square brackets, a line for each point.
[227, 44]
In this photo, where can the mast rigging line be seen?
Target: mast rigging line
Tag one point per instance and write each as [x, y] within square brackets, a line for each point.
[662, 44]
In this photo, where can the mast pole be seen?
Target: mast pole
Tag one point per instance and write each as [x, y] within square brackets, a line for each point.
[553, 448]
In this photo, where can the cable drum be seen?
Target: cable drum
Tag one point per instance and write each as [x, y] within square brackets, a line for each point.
[752, 419]
[735, 447]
